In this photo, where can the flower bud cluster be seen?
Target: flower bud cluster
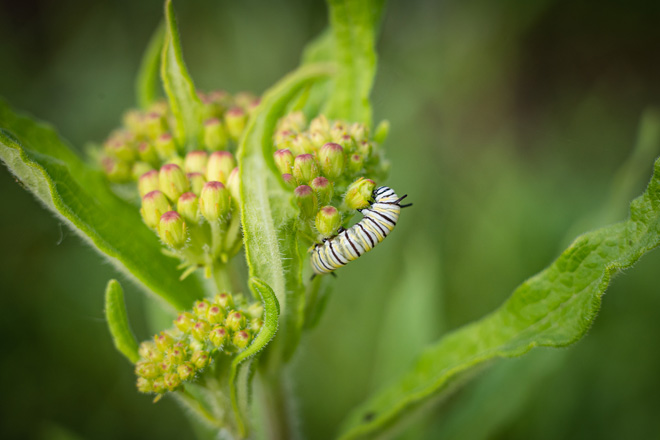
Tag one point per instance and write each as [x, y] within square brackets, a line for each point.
[147, 140]
[331, 165]
[225, 325]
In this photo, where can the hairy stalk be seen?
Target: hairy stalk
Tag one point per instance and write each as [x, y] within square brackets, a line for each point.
[276, 406]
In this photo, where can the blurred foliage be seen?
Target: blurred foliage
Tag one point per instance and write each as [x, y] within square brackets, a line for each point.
[509, 121]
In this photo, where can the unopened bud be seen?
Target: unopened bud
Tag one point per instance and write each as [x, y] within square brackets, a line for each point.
[196, 162]
[201, 308]
[200, 359]
[148, 182]
[197, 182]
[176, 354]
[235, 119]
[218, 335]
[301, 144]
[256, 324]
[355, 163]
[306, 201]
[215, 134]
[185, 321]
[121, 149]
[288, 179]
[323, 189]
[235, 320]
[359, 131]
[187, 206]
[382, 130]
[155, 125]
[172, 230]
[243, 99]
[172, 380]
[284, 161]
[165, 146]
[256, 310]
[148, 153]
[200, 330]
[224, 300]
[158, 386]
[154, 205]
[331, 157]
[328, 221]
[147, 369]
[144, 385]
[215, 314]
[186, 371]
[116, 170]
[233, 185]
[172, 181]
[163, 341]
[305, 169]
[219, 166]
[364, 148]
[214, 203]
[148, 350]
[139, 168]
[359, 193]
[318, 139]
[320, 124]
[241, 339]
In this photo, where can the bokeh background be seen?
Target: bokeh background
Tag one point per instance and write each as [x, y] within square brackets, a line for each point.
[515, 126]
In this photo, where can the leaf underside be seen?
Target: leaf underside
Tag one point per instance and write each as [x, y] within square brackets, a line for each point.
[80, 196]
[553, 309]
[147, 85]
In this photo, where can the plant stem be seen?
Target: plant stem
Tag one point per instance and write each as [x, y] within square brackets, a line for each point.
[221, 277]
[276, 407]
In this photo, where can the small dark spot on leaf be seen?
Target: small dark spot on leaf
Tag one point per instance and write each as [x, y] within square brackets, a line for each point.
[630, 242]
[369, 416]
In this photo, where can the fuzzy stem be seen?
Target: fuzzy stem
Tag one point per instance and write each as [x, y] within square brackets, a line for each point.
[276, 407]
[222, 277]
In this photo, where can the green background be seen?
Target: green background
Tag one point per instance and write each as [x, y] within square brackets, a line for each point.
[510, 121]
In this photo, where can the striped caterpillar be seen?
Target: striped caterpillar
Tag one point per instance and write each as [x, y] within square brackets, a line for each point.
[379, 219]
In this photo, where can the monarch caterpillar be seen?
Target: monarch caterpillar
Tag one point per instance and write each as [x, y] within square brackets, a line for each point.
[378, 221]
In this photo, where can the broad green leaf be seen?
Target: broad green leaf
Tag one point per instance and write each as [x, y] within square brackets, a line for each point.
[80, 196]
[147, 86]
[554, 309]
[268, 213]
[240, 373]
[353, 25]
[181, 94]
[115, 314]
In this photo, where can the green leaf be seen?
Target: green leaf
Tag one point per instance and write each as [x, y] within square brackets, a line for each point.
[553, 309]
[268, 213]
[115, 314]
[80, 196]
[240, 373]
[353, 25]
[181, 94]
[147, 86]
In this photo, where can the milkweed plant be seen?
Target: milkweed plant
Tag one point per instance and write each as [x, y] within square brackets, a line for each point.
[195, 183]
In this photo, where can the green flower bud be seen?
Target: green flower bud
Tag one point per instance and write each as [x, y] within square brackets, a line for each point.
[320, 124]
[219, 166]
[284, 161]
[200, 359]
[176, 354]
[122, 149]
[186, 371]
[172, 230]
[331, 157]
[165, 365]
[382, 130]
[200, 330]
[283, 139]
[233, 185]
[214, 203]
[116, 170]
[215, 134]
[359, 193]
[235, 320]
[172, 380]
[323, 189]
[364, 148]
[244, 99]
[147, 369]
[154, 205]
[241, 339]
[328, 221]
[172, 181]
[165, 146]
[148, 350]
[256, 324]
[144, 385]
[187, 206]
[201, 308]
[216, 314]
[359, 131]
[355, 163]
[306, 201]
[235, 119]
[294, 122]
[148, 182]
[195, 162]
[158, 386]
[148, 153]
[304, 168]
[288, 179]
[139, 168]
[155, 125]
[218, 336]
[348, 143]
[163, 341]
[224, 300]
[133, 119]
[197, 182]
[184, 321]
[256, 310]
[301, 144]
